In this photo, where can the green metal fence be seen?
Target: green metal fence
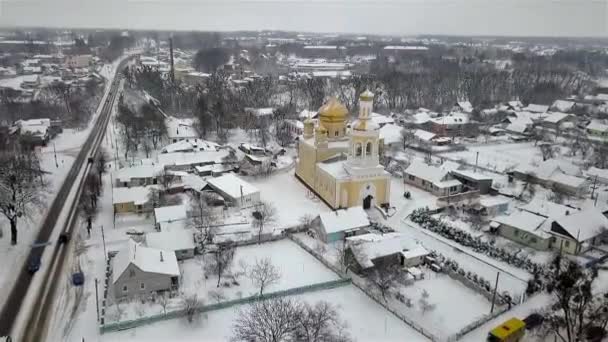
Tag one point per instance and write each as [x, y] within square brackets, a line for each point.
[116, 326]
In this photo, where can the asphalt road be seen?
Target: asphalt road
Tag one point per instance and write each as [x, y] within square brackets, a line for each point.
[34, 330]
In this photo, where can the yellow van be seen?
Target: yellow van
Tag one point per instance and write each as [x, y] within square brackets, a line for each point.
[510, 331]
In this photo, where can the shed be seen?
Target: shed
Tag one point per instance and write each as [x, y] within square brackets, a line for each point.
[234, 190]
[180, 241]
[170, 214]
[337, 225]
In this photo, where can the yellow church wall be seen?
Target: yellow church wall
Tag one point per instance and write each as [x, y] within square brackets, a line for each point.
[305, 169]
[354, 188]
[325, 187]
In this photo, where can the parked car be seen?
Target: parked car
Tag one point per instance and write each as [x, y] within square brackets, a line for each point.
[64, 238]
[533, 320]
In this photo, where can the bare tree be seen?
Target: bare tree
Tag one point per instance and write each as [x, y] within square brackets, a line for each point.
[581, 312]
[222, 259]
[320, 323]
[163, 301]
[267, 321]
[407, 137]
[191, 306]
[203, 218]
[424, 303]
[284, 319]
[263, 274]
[264, 215]
[22, 187]
[384, 276]
[217, 295]
[307, 221]
[346, 254]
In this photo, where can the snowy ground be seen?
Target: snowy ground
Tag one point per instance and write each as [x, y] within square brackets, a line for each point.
[294, 262]
[367, 321]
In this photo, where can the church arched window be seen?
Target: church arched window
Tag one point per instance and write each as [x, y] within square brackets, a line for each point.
[368, 148]
[358, 150]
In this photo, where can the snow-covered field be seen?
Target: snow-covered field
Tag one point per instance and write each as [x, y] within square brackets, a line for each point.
[367, 321]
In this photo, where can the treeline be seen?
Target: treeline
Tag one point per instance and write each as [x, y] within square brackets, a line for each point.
[141, 128]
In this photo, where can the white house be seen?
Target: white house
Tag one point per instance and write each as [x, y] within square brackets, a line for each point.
[180, 129]
[140, 271]
[180, 241]
[140, 175]
[536, 108]
[234, 190]
[525, 228]
[601, 175]
[186, 161]
[578, 232]
[434, 179]
[370, 250]
[563, 105]
[382, 120]
[391, 135]
[337, 225]
[170, 214]
[191, 145]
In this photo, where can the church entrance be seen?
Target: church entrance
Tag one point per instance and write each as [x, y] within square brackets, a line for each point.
[367, 202]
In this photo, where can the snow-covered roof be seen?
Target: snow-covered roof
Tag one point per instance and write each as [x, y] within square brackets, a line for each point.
[391, 133]
[406, 47]
[180, 128]
[140, 171]
[382, 119]
[175, 240]
[515, 104]
[420, 118]
[170, 213]
[191, 158]
[545, 169]
[517, 127]
[525, 221]
[452, 119]
[305, 114]
[344, 220]
[546, 208]
[331, 73]
[323, 47]
[424, 135]
[536, 108]
[571, 181]
[191, 145]
[415, 252]
[596, 125]
[136, 194]
[146, 259]
[232, 185]
[368, 247]
[260, 111]
[427, 172]
[489, 201]
[472, 175]
[193, 182]
[584, 225]
[563, 105]
[466, 106]
[35, 129]
[556, 117]
[599, 173]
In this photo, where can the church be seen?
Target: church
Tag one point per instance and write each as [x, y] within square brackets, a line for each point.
[342, 168]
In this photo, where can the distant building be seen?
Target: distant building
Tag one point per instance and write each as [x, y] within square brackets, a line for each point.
[78, 61]
[597, 129]
[180, 129]
[139, 271]
[558, 120]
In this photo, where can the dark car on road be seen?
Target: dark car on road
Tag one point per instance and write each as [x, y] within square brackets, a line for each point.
[33, 264]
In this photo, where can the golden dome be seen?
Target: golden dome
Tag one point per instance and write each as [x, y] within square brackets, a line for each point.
[333, 111]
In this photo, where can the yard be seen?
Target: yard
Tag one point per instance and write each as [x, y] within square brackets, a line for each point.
[366, 320]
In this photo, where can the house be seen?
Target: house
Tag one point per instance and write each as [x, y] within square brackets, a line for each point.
[557, 120]
[337, 225]
[463, 106]
[140, 175]
[78, 61]
[179, 241]
[434, 179]
[252, 149]
[454, 124]
[180, 129]
[186, 161]
[424, 136]
[536, 108]
[382, 120]
[307, 114]
[391, 135]
[473, 180]
[370, 250]
[492, 205]
[576, 233]
[234, 190]
[597, 129]
[191, 145]
[170, 214]
[259, 114]
[140, 271]
[547, 209]
[525, 228]
[294, 127]
[554, 173]
[601, 175]
[132, 200]
[563, 106]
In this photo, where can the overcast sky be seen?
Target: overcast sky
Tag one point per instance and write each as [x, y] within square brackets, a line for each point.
[402, 17]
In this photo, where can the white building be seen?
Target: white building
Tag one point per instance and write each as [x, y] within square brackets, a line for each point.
[179, 241]
[180, 129]
[170, 214]
[337, 225]
[234, 190]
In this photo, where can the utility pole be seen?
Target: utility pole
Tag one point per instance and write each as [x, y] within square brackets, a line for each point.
[103, 238]
[55, 153]
[594, 187]
[97, 298]
[476, 160]
[494, 294]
